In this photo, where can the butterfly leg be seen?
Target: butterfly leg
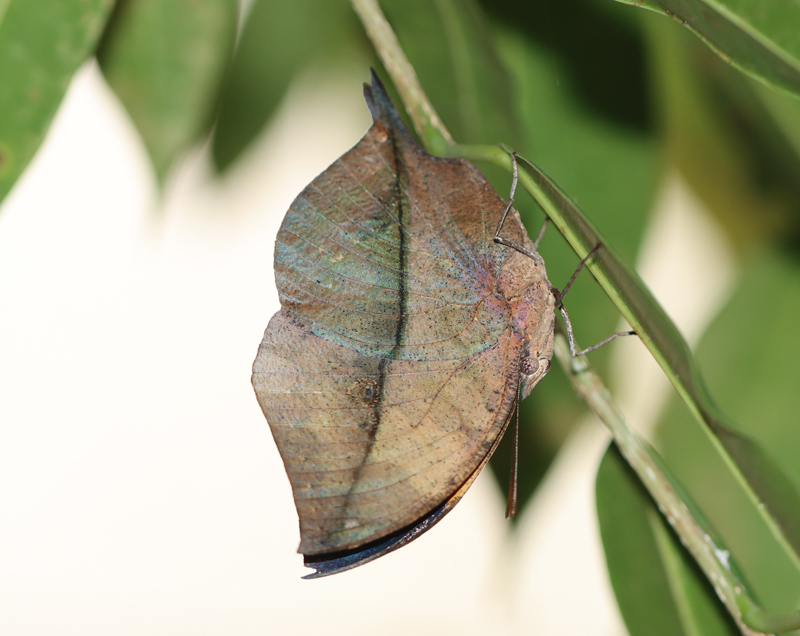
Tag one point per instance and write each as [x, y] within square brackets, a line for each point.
[540, 235]
[565, 316]
[502, 241]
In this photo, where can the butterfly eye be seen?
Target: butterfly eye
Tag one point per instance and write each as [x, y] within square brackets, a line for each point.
[530, 366]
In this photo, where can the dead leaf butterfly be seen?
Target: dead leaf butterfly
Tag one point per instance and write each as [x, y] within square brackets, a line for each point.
[393, 367]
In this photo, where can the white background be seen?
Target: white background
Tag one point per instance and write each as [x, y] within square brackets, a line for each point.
[140, 490]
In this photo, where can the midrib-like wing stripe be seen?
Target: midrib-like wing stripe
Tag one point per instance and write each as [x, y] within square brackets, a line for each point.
[465, 250]
[333, 203]
[378, 238]
[399, 171]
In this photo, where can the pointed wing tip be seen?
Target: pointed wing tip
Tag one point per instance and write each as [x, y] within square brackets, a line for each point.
[377, 98]
[382, 107]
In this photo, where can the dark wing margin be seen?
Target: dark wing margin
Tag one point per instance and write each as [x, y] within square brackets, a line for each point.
[365, 464]
[334, 563]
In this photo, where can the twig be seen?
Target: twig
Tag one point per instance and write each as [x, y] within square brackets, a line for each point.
[426, 120]
[695, 534]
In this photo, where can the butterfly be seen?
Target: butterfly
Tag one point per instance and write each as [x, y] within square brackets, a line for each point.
[405, 338]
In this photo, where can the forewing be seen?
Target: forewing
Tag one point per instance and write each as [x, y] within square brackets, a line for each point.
[391, 246]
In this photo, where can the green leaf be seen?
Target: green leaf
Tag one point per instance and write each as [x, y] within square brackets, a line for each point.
[749, 356]
[595, 46]
[42, 44]
[670, 350]
[278, 40]
[722, 141]
[637, 574]
[733, 154]
[757, 36]
[786, 112]
[165, 60]
[659, 588]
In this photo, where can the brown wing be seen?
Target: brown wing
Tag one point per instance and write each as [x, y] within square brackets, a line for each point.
[371, 444]
[392, 368]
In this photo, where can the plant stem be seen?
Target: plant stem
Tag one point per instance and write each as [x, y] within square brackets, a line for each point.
[692, 530]
[425, 119]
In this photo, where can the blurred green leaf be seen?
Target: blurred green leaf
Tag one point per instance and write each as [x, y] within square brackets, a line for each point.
[748, 356]
[165, 60]
[454, 55]
[707, 141]
[659, 588]
[785, 110]
[759, 37]
[596, 47]
[42, 44]
[733, 155]
[278, 40]
[637, 573]
[764, 134]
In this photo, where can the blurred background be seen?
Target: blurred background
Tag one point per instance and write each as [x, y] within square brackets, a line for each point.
[140, 489]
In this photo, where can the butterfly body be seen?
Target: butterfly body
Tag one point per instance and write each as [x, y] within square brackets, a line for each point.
[393, 367]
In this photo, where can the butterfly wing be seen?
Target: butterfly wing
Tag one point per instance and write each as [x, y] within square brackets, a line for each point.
[392, 368]
[371, 444]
